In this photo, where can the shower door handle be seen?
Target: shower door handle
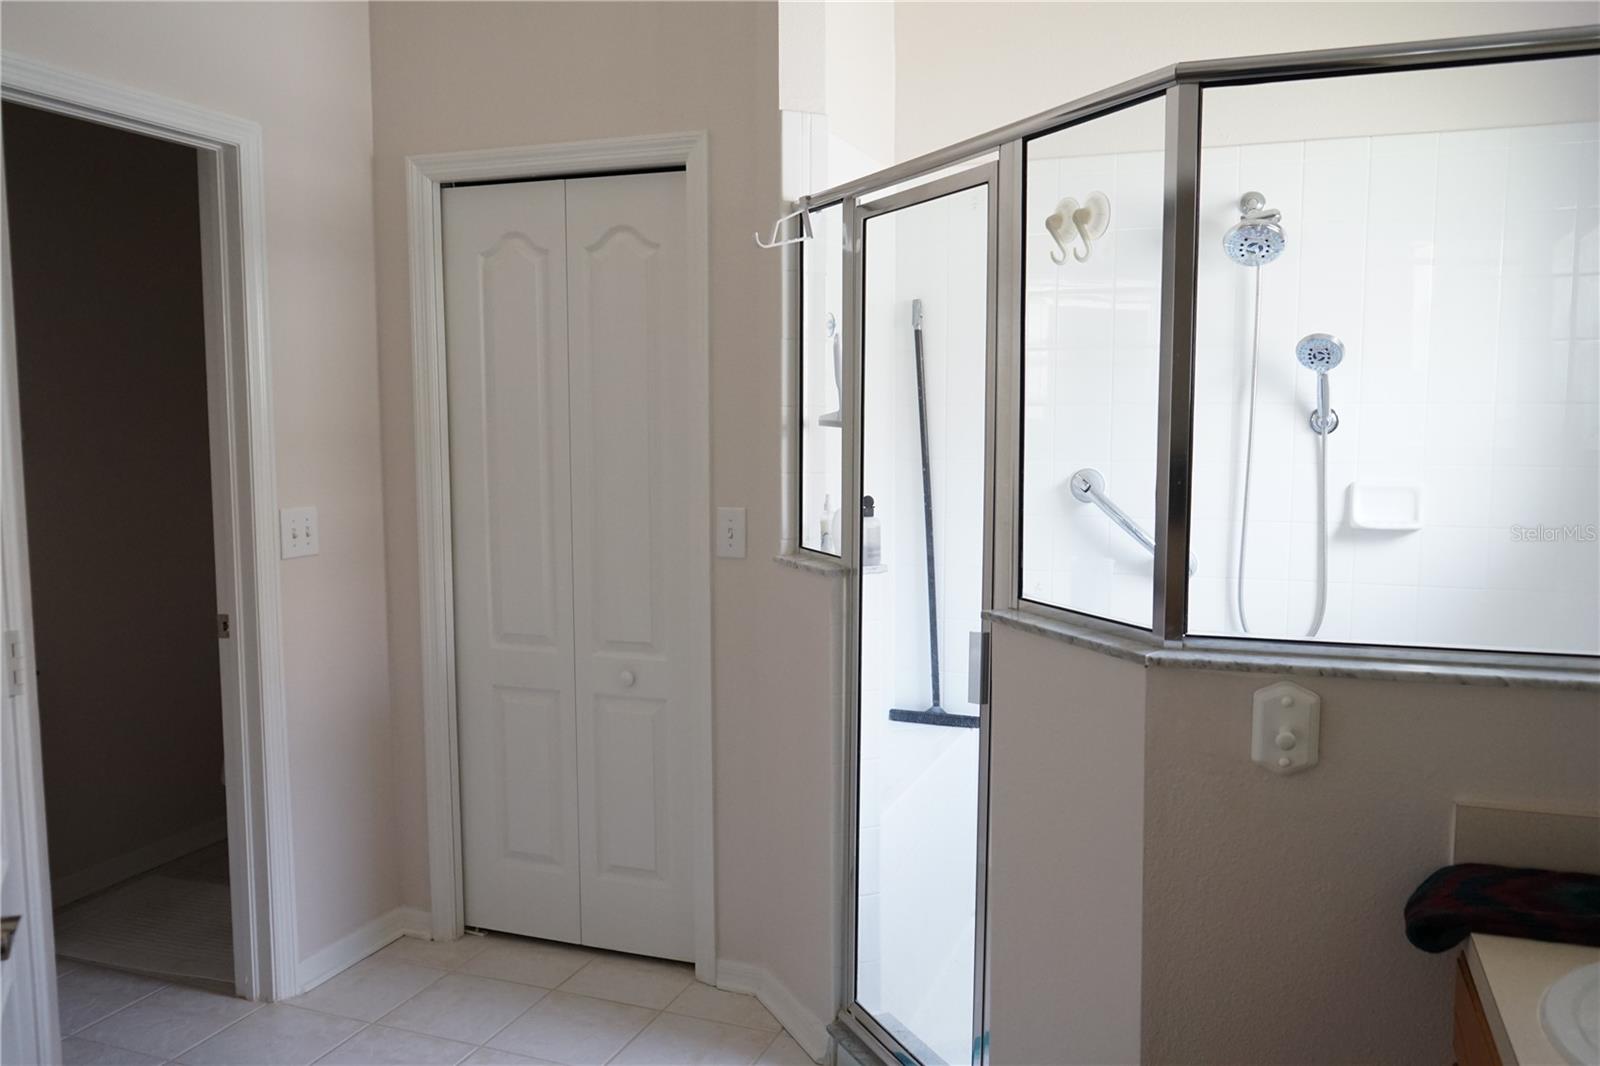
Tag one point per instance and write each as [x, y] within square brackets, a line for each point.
[978, 668]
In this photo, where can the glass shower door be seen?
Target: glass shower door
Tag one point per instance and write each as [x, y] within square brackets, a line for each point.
[926, 328]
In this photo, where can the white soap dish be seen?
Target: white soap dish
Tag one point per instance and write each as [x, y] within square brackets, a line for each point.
[1386, 505]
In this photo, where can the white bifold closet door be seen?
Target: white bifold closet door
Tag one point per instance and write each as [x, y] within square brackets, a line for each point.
[569, 459]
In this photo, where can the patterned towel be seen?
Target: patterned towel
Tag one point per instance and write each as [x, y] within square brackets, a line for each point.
[1456, 901]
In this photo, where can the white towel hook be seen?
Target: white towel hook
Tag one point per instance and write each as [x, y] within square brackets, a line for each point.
[804, 215]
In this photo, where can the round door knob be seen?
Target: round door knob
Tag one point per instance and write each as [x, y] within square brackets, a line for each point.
[627, 678]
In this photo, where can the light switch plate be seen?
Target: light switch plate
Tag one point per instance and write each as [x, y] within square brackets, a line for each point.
[730, 532]
[1287, 722]
[297, 532]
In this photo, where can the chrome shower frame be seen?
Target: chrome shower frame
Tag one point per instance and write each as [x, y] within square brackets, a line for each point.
[1182, 88]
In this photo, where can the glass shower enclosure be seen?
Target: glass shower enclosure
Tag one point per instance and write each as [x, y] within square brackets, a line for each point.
[1261, 355]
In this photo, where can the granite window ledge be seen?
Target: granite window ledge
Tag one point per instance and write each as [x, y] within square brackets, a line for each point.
[1503, 671]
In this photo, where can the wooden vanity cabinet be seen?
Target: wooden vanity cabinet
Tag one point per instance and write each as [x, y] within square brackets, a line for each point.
[1474, 1040]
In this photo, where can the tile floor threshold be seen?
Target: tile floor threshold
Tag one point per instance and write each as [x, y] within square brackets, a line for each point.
[480, 1001]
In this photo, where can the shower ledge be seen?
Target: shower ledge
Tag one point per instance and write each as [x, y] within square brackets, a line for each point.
[811, 563]
[1324, 661]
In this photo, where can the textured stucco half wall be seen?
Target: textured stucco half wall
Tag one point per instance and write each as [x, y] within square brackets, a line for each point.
[1272, 905]
[1066, 852]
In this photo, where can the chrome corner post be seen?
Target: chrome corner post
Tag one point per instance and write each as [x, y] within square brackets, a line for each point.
[1175, 420]
[793, 534]
[1001, 444]
[1006, 382]
[850, 554]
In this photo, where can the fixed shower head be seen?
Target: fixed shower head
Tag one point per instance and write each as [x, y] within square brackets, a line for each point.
[1320, 352]
[1257, 239]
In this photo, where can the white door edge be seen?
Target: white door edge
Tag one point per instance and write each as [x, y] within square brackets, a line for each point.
[425, 176]
[36, 1031]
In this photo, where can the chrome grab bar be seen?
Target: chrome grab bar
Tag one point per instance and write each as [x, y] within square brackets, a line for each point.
[1089, 485]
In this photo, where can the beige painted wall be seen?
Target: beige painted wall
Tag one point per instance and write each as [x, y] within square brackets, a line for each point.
[860, 87]
[459, 76]
[965, 67]
[116, 457]
[1066, 852]
[1272, 906]
[302, 72]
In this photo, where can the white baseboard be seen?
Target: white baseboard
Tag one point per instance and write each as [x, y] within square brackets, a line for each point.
[353, 947]
[416, 921]
[809, 1031]
[73, 886]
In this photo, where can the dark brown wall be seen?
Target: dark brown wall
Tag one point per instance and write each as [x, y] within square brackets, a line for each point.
[105, 251]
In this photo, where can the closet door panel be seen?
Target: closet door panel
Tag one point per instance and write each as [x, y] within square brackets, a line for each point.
[511, 503]
[632, 534]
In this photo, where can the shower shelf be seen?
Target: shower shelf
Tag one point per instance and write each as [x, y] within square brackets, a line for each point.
[1386, 507]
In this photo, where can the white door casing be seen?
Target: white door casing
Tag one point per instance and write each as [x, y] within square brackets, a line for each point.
[426, 178]
[505, 301]
[632, 530]
[572, 515]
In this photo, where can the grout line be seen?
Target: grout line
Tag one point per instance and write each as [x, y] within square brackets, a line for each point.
[108, 1047]
[518, 1017]
[203, 1039]
[117, 1010]
[341, 1043]
[634, 1038]
[781, 1031]
[248, 1014]
[571, 976]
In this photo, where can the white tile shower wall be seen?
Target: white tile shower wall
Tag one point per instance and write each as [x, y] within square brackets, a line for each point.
[1460, 270]
[1090, 386]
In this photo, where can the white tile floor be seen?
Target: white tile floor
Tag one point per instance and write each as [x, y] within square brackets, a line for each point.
[478, 1001]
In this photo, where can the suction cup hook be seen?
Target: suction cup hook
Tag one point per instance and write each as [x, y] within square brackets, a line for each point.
[1081, 223]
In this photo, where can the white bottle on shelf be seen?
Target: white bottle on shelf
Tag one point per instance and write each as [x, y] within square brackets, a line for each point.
[871, 537]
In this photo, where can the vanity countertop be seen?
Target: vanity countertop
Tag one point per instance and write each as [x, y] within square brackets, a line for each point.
[1511, 976]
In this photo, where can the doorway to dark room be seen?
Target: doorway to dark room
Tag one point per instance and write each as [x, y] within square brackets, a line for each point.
[119, 457]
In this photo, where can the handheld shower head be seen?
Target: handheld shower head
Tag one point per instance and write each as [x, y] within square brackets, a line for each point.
[1321, 352]
[1257, 238]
